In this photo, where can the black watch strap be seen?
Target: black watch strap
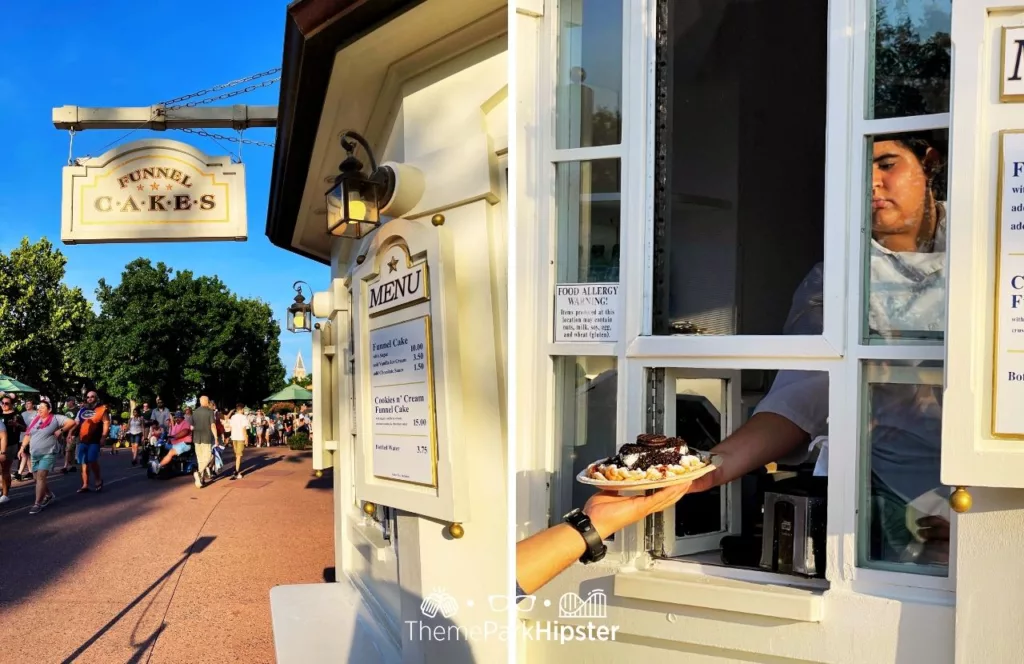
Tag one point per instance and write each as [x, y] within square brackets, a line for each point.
[595, 545]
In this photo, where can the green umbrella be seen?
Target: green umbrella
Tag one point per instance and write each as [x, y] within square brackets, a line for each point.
[8, 384]
[292, 392]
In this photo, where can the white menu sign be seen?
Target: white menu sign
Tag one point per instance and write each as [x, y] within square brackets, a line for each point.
[587, 312]
[1011, 87]
[1008, 386]
[403, 408]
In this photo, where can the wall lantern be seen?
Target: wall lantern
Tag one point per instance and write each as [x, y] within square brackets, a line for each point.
[355, 200]
[300, 315]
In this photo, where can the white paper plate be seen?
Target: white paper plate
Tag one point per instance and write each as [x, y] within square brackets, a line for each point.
[643, 485]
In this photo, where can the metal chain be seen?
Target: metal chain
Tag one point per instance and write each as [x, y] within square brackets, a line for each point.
[172, 103]
[226, 95]
[220, 137]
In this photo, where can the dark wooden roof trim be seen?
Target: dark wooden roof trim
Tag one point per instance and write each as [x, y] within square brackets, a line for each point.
[315, 30]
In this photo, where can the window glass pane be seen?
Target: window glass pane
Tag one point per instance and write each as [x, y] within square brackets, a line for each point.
[905, 512]
[905, 269]
[588, 103]
[589, 207]
[586, 416]
[911, 58]
[739, 195]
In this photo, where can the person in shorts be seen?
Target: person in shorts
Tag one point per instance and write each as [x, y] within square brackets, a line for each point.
[239, 434]
[12, 425]
[93, 422]
[181, 441]
[136, 427]
[40, 444]
[25, 463]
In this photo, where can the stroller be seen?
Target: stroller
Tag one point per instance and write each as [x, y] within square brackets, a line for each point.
[182, 464]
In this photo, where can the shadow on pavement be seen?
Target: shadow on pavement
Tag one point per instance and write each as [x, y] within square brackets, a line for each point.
[254, 464]
[197, 547]
[70, 527]
[65, 531]
[325, 483]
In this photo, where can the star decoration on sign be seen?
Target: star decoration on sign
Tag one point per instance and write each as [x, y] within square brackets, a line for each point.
[155, 186]
[393, 264]
[139, 187]
[169, 187]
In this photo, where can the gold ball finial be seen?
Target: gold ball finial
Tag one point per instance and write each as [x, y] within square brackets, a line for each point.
[360, 259]
[961, 500]
[319, 473]
[370, 509]
[437, 220]
[456, 530]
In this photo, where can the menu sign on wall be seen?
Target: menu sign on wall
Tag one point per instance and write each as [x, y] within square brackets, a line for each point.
[401, 378]
[398, 287]
[1012, 75]
[587, 312]
[1008, 366]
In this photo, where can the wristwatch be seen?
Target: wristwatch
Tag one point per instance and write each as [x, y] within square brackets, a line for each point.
[595, 546]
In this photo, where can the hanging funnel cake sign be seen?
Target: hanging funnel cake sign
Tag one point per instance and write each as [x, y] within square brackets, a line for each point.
[153, 191]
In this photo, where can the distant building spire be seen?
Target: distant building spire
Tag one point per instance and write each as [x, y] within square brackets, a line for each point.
[299, 372]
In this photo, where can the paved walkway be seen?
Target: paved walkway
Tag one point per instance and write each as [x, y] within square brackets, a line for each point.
[159, 571]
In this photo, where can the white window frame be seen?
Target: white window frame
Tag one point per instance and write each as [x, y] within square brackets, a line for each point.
[840, 350]
[732, 405]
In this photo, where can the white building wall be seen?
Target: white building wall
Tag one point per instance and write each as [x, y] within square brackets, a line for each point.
[462, 98]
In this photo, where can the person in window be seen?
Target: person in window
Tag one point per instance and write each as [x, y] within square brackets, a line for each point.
[910, 521]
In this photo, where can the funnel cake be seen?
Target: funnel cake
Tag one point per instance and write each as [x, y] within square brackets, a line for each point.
[651, 458]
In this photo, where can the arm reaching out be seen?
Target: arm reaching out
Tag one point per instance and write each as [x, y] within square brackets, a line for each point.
[764, 438]
[545, 555]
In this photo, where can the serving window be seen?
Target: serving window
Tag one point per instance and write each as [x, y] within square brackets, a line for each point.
[743, 522]
[794, 186]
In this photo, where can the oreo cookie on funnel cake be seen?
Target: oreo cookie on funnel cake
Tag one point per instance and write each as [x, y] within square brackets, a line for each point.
[651, 457]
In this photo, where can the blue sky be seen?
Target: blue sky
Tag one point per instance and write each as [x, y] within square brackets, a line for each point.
[119, 53]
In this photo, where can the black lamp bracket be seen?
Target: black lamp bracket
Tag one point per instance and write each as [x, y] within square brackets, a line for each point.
[298, 291]
[348, 143]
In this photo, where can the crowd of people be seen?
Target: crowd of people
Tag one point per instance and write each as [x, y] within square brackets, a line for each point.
[34, 436]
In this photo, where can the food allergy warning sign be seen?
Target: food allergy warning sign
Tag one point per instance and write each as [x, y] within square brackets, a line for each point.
[587, 312]
[401, 394]
[1008, 383]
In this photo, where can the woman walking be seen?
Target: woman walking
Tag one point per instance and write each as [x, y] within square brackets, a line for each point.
[41, 445]
[136, 427]
[24, 465]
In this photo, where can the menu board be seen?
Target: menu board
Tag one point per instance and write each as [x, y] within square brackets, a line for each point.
[587, 312]
[1008, 382]
[402, 399]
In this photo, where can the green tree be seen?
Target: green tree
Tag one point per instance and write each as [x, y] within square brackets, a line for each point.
[42, 319]
[912, 73]
[306, 381]
[176, 335]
